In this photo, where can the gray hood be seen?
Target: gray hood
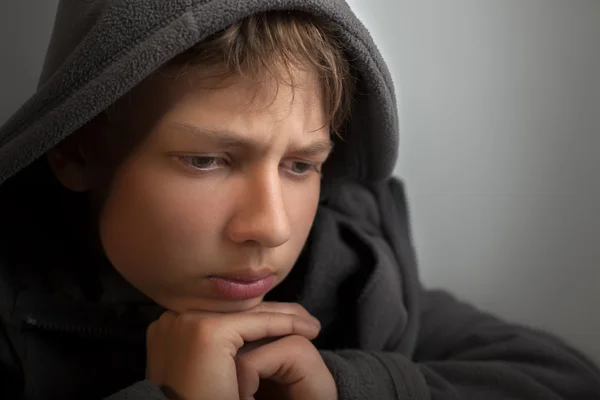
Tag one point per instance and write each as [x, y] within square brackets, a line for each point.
[101, 49]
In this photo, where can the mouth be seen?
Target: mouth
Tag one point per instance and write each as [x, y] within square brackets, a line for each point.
[246, 275]
[242, 285]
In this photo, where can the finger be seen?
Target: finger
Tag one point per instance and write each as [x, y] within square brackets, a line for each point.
[289, 362]
[263, 325]
[253, 345]
[233, 330]
[284, 308]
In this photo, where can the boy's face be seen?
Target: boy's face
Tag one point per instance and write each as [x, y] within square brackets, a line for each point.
[225, 181]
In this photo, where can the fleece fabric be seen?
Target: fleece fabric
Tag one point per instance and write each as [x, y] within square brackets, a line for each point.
[72, 328]
[100, 49]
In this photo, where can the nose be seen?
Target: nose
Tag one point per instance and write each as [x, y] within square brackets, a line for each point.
[261, 216]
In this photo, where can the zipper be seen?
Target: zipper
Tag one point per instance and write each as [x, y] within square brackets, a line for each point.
[97, 332]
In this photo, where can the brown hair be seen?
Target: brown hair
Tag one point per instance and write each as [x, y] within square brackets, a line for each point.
[272, 44]
[266, 45]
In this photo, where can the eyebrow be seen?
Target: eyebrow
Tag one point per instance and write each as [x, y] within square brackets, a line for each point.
[235, 140]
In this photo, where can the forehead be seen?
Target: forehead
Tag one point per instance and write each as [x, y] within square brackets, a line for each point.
[235, 103]
[261, 90]
[202, 93]
[258, 111]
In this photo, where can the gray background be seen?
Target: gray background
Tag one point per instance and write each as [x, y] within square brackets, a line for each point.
[500, 109]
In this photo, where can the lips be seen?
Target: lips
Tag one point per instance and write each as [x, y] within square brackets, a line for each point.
[245, 276]
[242, 285]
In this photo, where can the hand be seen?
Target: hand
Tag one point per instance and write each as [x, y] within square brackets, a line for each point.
[192, 355]
[290, 368]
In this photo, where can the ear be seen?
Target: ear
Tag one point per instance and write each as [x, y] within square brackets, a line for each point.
[69, 164]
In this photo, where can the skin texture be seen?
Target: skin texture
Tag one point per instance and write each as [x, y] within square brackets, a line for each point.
[199, 355]
[224, 177]
[173, 217]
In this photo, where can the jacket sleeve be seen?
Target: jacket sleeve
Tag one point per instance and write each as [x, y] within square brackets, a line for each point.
[460, 353]
[11, 378]
[144, 390]
[11, 375]
[464, 354]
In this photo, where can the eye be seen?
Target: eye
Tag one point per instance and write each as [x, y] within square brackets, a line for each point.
[204, 163]
[302, 168]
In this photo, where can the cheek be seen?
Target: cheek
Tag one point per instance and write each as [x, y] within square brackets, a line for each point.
[302, 201]
[158, 229]
[155, 226]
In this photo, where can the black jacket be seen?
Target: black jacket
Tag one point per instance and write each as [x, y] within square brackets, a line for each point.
[71, 328]
[77, 332]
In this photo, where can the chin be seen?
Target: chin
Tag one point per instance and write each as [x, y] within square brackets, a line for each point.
[214, 306]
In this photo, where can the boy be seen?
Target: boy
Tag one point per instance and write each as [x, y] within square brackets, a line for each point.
[196, 205]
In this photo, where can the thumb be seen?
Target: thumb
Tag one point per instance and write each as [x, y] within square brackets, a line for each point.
[289, 362]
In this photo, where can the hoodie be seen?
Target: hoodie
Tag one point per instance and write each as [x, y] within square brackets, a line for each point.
[71, 327]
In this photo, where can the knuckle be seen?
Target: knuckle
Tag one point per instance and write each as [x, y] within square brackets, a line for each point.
[297, 308]
[290, 308]
[279, 322]
[297, 321]
[205, 328]
[300, 348]
[165, 319]
[272, 318]
[299, 343]
[152, 328]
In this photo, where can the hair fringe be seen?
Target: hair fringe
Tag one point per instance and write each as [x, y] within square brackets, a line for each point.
[272, 45]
